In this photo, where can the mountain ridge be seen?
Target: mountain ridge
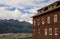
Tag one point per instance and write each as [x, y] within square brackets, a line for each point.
[15, 26]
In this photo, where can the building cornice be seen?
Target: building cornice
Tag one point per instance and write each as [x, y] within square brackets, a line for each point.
[48, 8]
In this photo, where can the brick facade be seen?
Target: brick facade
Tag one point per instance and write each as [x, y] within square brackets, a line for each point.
[39, 29]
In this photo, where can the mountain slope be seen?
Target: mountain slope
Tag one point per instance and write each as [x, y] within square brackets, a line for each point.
[15, 26]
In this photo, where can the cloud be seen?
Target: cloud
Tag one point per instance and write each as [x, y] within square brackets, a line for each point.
[10, 8]
[21, 10]
[25, 3]
[5, 14]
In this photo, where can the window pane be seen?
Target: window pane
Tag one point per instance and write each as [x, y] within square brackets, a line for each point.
[50, 31]
[56, 31]
[43, 21]
[45, 31]
[48, 20]
[55, 18]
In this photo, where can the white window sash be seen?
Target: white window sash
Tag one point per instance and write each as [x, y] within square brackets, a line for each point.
[50, 31]
[55, 18]
[45, 31]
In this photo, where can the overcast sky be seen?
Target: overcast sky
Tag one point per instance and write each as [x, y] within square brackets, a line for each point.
[21, 10]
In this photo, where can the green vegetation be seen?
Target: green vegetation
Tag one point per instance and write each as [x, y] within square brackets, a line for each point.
[16, 36]
[15, 26]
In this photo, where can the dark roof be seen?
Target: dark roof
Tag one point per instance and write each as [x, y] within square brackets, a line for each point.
[48, 5]
[45, 7]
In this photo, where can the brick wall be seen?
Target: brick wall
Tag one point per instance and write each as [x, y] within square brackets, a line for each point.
[46, 25]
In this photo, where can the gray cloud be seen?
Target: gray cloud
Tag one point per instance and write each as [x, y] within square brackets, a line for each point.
[33, 5]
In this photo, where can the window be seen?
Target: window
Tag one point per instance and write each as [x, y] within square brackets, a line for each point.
[38, 31]
[48, 20]
[56, 31]
[55, 18]
[39, 12]
[45, 31]
[50, 31]
[43, 21]
[38, 22]
[46, 9]
[34, 23]
[58, 4]
[50, 7]
[55, 5]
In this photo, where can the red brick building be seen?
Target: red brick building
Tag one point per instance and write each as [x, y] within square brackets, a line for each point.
[46, 23]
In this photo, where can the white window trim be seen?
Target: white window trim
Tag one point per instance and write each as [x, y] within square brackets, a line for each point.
[43, 22]
[56, 31]
[50, 31]
[48, 20]
[45, 31]
[55, 18]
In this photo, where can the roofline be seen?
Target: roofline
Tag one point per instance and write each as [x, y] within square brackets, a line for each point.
[45, 7]
[48, 5]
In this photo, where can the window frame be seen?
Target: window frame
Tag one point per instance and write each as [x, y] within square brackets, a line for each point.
[48, 20]
[43, 22]
[55, 18]
[50, 31]
[46, 32]
[55, 31]
[38, 22]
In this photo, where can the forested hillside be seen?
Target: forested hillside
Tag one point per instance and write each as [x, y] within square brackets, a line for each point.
[15, 26]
